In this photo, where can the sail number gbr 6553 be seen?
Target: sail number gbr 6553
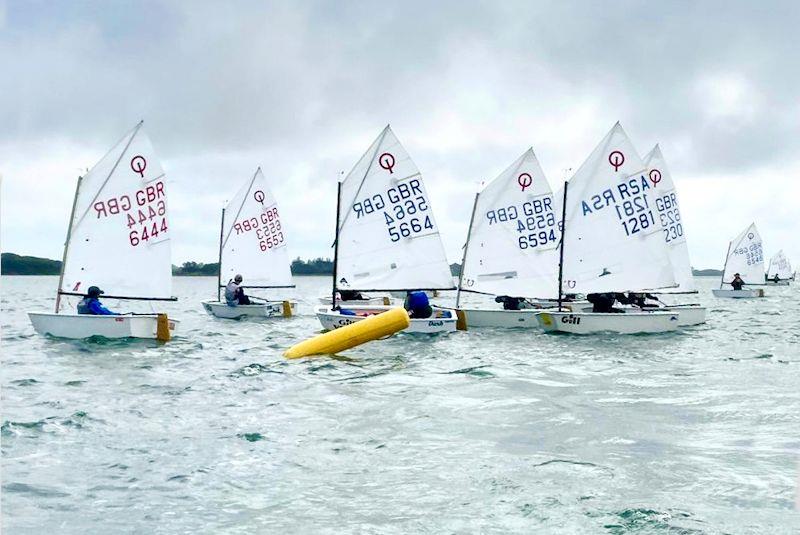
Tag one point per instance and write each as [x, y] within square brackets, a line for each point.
[267, 228]
[145, 212]
[403, 207]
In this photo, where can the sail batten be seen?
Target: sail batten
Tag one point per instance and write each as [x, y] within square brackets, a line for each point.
[387, 235]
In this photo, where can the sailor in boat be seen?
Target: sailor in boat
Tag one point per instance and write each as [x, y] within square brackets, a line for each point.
[640, 300]
[776, 279]
[737, 282]
[604, 302]
[510, 303]
[234, 293]
[418, 306]
[91, 304]
[351, 295]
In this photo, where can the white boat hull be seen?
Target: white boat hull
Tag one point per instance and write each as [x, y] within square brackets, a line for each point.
[779, 283]
[270, 309]
[520, 319]
[444, 320]
[738, 294]
[688, 315]
[79, 326]
[595, 322]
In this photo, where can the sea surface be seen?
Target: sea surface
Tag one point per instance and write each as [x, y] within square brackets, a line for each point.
[489, 431]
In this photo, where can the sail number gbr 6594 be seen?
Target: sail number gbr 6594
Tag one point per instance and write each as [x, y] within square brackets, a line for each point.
[403, 207]
[145, 212]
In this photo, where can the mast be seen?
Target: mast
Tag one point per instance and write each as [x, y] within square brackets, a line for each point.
[219, 265]
[336, 243]
[725, 267]
[466, 248]
[66, 244]
[561, 248]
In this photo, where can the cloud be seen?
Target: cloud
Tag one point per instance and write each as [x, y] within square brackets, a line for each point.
[303, 88]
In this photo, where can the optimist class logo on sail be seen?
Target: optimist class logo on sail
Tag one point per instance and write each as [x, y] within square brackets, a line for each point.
[266, 226]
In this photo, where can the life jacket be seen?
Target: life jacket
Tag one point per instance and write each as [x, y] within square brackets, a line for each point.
[83, 306]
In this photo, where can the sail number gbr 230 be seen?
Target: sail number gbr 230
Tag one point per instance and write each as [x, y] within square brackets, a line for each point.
[403, 207]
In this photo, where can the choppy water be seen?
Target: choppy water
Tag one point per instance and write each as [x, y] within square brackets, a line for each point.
[487, 431]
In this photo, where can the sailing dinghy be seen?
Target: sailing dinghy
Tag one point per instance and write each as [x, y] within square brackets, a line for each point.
[118, 239]
[386, 237]
[745, 257]
[674, 235]
[780, 267]
[512, 247]
[611, 241]
[253, 244]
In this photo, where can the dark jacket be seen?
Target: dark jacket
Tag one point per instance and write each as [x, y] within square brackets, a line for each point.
[92, 305]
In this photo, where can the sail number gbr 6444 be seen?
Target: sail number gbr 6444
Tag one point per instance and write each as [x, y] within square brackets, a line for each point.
[145, 212]
[403, 207]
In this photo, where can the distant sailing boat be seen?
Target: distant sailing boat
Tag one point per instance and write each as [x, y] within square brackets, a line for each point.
[779, 271]
[512, 245]
[745, 257]
[252, 243]
[611, 241]
[386, 237]
[118, 239]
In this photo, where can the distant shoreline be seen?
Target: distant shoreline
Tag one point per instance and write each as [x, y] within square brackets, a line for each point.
[14, 264]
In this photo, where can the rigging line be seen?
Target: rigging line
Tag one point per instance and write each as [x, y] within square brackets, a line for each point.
[114, 168]
[244, 199]
[378, 144]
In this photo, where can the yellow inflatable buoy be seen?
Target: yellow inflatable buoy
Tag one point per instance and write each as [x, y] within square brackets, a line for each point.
[352, 335]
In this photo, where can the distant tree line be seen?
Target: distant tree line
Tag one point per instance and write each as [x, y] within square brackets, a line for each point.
[13, 264]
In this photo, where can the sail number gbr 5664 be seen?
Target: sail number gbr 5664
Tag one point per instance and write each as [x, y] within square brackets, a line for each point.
[403, 207]
[145, 212]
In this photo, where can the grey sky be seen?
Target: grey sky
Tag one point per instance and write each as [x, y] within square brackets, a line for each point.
[302, 88]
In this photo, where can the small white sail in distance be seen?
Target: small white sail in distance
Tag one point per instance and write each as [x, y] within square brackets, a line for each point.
[119, 237]
[254, 238]
[745, 257]
[514, 234]
[669, 216]
[779, 265]
[387, 235]
[612, 239]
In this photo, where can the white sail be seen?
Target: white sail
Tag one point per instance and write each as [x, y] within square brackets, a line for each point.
[745, 257]
[119, 234]
[388, 238]
[514, 234]
[253, 238]
[612, 233]
[779, 265]
[669, 216]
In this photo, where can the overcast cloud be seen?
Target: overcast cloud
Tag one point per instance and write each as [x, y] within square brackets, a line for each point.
[302, 89]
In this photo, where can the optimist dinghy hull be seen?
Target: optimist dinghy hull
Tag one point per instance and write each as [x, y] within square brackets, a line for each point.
[739, 294]
[270, 309]
[79, 326]
[595, 322]
[509, 319]
[443, 319]
[779, 283]
[688, 315]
